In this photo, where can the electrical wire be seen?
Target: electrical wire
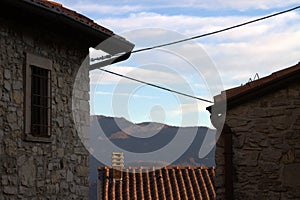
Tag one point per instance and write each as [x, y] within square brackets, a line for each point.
[215, 32]
[193, 38]
[156, 86]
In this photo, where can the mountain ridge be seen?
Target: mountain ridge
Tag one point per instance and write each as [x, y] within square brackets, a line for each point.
[141, 123]
[128, 135]
[142, 138]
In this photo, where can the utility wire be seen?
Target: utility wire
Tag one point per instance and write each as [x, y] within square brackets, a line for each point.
[215, 32]
[156, 86]
[192, 38]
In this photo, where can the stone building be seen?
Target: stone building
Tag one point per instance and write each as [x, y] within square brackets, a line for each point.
[42, 47]
[258, 152]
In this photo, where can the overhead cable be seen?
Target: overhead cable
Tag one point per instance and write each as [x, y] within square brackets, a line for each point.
[193, 38]
[215, 32]
[156, 86]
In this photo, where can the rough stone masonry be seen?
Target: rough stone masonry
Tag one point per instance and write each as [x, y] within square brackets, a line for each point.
[265, 145]
[36, 170]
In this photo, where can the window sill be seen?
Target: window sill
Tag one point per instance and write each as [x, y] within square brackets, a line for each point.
[30, 138]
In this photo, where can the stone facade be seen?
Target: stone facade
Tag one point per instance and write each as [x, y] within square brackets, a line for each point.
[265, 145]
[58, 169]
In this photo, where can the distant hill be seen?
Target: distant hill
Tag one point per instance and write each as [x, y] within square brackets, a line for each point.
[122, 133]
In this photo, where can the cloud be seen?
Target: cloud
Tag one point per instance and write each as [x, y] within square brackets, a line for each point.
[259, 44]
[192, 113]
[262, 48]
[105, 9]
[93, 94]
[238, 54]
[194, 25]
[147, 19]
[125, 7]
[154, 76]
[239, 61]
[192, 107]
[246, 5]
[229, 4]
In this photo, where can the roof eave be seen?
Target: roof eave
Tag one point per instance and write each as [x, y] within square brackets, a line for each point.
[257, 91]
[95, 35]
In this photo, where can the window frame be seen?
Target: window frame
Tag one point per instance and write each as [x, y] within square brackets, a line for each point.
[43, 63]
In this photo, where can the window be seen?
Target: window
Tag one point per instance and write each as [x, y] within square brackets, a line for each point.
[40, 107]
[38, 99]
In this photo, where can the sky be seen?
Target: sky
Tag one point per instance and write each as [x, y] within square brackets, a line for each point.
[201, 68]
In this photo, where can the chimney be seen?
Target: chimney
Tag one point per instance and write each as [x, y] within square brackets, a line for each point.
[117, 162]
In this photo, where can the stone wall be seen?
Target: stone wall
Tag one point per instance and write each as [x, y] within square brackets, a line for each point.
[34, 170]
[220, 168]
[266, 146]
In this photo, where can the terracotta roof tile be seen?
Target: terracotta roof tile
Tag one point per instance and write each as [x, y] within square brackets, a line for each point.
[168, 183]
[255, 86]
[260, 82]
[60, 9]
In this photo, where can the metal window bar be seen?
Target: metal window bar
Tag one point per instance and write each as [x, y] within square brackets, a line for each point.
[40, 104]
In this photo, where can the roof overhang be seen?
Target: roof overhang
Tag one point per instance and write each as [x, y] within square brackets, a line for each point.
[250, 91]
[68, 22]
[257, 88]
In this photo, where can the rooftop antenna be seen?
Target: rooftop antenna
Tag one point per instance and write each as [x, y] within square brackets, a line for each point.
[256, 77]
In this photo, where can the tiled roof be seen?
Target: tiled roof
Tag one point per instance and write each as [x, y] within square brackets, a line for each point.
[168, 183]
[256, 87]
[59, 9]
